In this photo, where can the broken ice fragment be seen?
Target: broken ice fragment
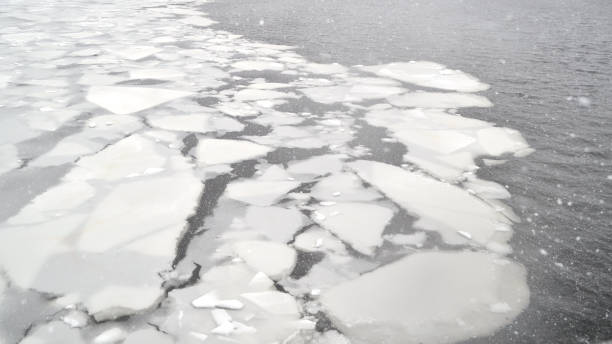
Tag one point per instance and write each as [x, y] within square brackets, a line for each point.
[124, 100]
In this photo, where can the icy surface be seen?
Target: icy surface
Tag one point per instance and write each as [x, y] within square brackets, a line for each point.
[216, 189]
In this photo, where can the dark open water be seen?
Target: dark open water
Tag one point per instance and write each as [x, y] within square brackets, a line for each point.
[550, 66]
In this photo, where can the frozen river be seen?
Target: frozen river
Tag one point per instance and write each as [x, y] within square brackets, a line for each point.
[291, 172]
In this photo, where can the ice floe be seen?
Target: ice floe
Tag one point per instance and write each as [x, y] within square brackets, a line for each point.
[441, 207]
[429, 74]
[429, 297]
[124, 100]
[439, 100]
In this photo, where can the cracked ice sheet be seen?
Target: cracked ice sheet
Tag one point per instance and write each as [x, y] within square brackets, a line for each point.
[457, 215]
[429, 297]
[429, 74]
[108, 210]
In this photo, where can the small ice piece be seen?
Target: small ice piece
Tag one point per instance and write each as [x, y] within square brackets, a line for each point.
[273, 259]
[465, 234]
[315, 292]
[229, 304]
[124, 100]
[422, 295]
[274, 302]
[359, 224]
[216, 151]
[497, 141]
[438, 100]
[112, 335]
[75, 318]
[208, 300]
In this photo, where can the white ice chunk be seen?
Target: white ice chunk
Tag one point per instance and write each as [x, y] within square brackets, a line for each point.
[431, 297]
[429, 74]
[215, 151]
[124, 100]
[273, 259]
[497, 141]
[439, 100]
[359, 224]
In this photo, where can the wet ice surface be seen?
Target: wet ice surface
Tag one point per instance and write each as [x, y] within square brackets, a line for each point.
[217, 189]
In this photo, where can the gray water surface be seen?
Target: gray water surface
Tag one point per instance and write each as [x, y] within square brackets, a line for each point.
[549, 65]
